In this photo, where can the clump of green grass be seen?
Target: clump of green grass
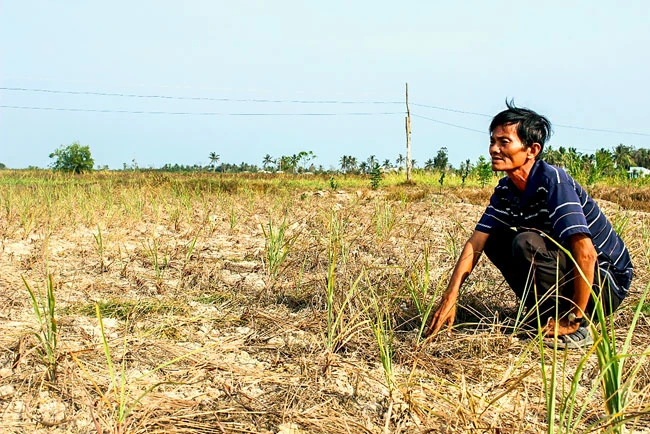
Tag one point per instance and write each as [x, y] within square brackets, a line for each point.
[277, 245]
[344, 318]
[418, 284]
[385, 218]
[382, 330]
[100, 247]
[615, 381]
[47, 335]
[159, 260]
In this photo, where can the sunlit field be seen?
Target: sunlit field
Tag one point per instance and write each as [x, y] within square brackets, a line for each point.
[144, 302]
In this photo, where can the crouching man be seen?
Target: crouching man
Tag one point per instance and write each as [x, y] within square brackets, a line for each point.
[534, 207]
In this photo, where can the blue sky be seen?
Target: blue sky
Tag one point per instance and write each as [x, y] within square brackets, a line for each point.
[582, 63]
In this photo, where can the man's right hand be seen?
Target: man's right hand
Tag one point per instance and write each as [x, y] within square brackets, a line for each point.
[445, 315]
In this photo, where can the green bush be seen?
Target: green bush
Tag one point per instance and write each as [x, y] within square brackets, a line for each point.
[73, 158]
[375, 177]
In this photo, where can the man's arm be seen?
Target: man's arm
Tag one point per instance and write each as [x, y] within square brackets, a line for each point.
[464, 266]
[585, 255]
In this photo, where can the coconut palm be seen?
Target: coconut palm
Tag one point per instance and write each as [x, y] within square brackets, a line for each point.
[441, 160]
[363, 167]
[267, 161]
[400, 160]
[604, 160]
[346, 163]
[623, 157]
[214, 159]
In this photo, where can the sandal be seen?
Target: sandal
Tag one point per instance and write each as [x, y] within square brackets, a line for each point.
[580, 338]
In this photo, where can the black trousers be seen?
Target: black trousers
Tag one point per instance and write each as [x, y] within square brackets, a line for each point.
[538, 271]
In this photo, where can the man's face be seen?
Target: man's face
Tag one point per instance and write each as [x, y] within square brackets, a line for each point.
[507, 150]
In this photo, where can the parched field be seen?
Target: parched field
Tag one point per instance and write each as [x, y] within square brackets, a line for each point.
[208, 304]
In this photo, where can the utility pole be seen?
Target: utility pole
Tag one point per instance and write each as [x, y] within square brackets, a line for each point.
[408, 137]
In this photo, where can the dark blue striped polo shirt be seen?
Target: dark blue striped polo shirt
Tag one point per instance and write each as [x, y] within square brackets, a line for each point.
[557, 205]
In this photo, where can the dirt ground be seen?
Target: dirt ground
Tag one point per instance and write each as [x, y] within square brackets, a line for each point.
[198, 335]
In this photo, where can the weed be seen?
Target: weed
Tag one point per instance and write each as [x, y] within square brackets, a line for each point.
[385, 219]
[621, 221]
[615, 381]
[341, 328]
[44, 310]
[232, 217]
[418, 284]
[277, 245]
[337, 233]
[100, 247]
[175, 217]
[159, 260]
[382, 330]
[27, 217]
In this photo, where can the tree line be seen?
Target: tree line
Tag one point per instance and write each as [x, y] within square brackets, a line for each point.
[588, 167]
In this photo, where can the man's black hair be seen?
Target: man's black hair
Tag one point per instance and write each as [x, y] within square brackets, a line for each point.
[531, 127]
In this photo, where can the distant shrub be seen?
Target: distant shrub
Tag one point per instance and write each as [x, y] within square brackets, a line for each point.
[375, 177]
[73, 158]
[484, 170]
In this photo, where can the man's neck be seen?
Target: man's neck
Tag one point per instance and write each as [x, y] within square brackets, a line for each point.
[519, 176]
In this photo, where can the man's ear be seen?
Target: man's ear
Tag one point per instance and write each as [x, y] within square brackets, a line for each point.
[534, 150]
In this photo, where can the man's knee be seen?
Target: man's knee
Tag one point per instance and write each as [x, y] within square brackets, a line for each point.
[526, 245]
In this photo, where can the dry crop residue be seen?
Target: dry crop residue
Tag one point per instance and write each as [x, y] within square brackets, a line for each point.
[201, 337]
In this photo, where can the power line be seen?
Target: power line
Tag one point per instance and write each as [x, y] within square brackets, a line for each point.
[600, 130]
[276, 101]
[448, 123]
[139, 112]
[192, 98]
[447, 109]
[632, 133]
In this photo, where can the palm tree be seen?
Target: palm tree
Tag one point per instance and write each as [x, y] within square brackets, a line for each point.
[399, 160]
[343, 162]
[604, 162]
[284, 163]
[429, 164]
[294, 159]
[363, 167]
[214, 159]
[552, 156]
[347, 163]
[572, 161]
[441, 160]
[641, 157]
[387, 164]
[267, 161]
[623, 157]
